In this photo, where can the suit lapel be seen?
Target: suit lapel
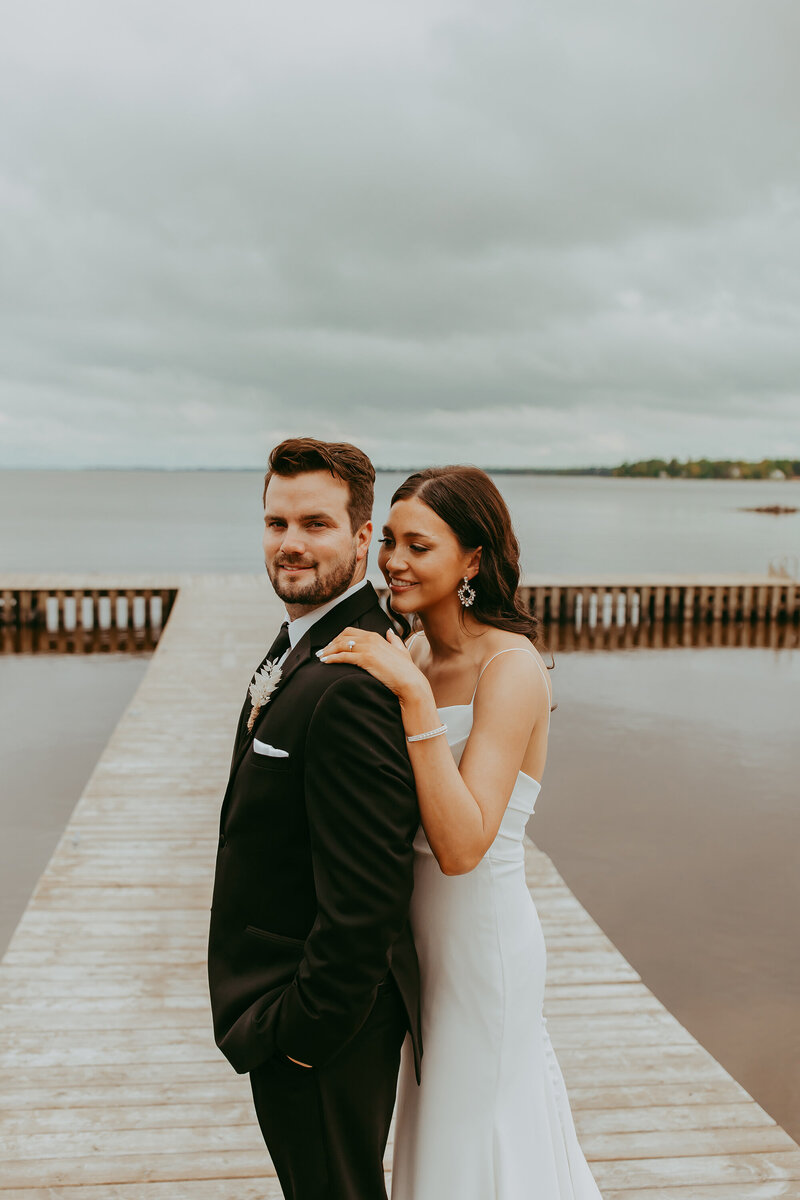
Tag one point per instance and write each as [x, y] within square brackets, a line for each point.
[241, 728]
[319, 634]
[295, 658]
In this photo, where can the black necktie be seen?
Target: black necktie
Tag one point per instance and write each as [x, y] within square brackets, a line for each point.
[281, 643]
[277, 648]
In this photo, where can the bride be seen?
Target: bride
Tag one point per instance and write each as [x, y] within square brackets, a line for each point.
[491, 1119]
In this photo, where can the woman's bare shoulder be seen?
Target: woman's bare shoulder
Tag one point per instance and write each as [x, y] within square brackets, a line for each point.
[500, 641]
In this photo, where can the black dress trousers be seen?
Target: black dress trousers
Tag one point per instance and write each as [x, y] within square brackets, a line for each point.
[326, 1127]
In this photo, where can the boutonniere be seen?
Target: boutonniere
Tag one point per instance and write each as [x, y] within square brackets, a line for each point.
[264, 683]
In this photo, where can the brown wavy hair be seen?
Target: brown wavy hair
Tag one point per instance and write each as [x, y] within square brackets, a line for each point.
[295, 456]
[470, 503]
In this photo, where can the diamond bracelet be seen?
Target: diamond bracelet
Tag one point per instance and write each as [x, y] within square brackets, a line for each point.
[419, 737]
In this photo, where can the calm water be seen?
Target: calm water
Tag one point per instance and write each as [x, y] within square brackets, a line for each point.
[670, 800]
[56, 714]
[671, 806]
[211, 521]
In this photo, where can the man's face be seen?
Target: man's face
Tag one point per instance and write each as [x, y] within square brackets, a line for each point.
[310, 551]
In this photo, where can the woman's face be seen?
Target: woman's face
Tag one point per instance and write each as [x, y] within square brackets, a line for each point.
[421, 558]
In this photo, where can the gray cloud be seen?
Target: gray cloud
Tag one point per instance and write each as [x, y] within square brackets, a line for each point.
[441, 229]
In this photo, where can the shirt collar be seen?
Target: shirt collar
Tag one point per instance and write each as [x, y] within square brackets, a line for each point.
[301, 625]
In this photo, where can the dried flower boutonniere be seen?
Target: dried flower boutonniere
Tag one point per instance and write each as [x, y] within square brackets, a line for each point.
[264, 683]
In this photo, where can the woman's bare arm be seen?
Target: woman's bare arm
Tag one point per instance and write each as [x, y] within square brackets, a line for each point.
[461, 806]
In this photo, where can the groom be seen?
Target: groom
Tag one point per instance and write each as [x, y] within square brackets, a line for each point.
[311, 965]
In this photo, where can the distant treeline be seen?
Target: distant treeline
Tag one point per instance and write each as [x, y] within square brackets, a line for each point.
[661, 468]
[712, 468]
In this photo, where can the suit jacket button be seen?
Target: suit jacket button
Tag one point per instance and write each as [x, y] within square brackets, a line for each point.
[222, 840]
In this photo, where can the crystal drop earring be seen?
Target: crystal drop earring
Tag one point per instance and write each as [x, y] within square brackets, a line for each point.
[466, 594]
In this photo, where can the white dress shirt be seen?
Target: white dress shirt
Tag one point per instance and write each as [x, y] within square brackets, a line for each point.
[301, 625]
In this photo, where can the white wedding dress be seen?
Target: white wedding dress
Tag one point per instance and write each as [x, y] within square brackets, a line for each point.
[491, 1119]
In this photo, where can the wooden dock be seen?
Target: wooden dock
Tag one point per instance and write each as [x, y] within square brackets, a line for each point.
[86, 603]
[112, 1087]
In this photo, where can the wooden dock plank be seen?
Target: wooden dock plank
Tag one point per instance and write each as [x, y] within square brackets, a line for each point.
[112, 1088]
[219, 1188]
[693, 1171]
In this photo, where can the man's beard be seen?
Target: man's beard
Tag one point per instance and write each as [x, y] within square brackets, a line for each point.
[319, 589]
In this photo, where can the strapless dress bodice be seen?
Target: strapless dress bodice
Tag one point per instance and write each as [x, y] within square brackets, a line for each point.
[508, 844]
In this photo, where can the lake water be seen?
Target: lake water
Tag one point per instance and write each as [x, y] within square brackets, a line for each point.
[56, 714]
[211, 521]
[670, 801]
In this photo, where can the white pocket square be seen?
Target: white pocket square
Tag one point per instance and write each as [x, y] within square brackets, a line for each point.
[265, 748]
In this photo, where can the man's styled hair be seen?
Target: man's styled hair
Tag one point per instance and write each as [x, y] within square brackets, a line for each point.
[295, 456]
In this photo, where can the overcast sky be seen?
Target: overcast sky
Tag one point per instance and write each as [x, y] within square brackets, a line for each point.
[507, 233]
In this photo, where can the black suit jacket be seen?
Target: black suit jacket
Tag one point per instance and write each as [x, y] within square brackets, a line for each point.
[314, 867]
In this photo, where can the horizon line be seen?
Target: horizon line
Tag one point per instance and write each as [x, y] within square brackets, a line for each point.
[383, 469]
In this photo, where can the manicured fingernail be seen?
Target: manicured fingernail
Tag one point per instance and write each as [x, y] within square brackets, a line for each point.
[319, 653]
[322, 658]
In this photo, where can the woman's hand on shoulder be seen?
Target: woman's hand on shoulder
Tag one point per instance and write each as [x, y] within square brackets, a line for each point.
[387, 659]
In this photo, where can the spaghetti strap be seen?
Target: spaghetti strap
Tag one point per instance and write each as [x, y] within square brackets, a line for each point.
[411, 639]
[507, 650]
